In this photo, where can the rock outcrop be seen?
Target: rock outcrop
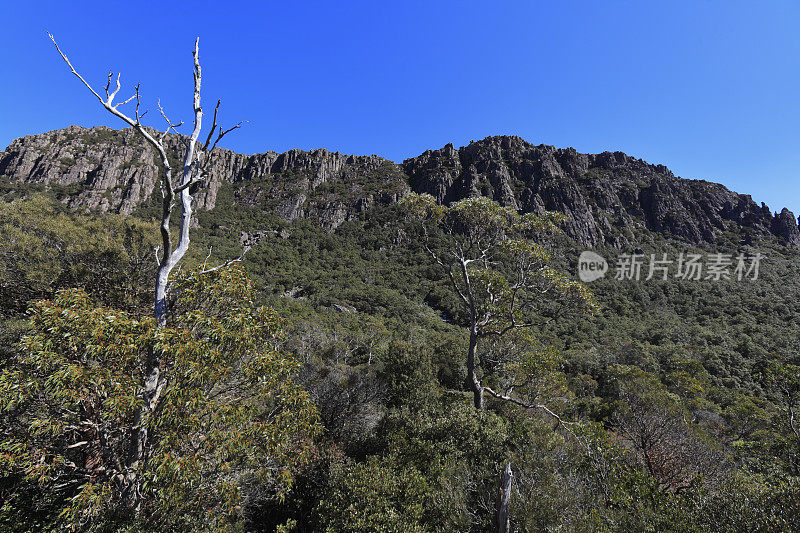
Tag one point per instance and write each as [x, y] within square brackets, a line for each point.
[609, 197]
[108, 170]
[785, 225]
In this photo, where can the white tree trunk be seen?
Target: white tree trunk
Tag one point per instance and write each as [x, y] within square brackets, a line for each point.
[504, 501]
[130, 484]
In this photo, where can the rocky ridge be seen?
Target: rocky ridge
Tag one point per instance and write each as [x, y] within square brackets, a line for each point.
[607, 196]
[106, 170]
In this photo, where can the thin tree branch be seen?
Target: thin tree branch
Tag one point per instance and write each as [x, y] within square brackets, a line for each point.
[170, 125]
[225, 264]
[561, 422]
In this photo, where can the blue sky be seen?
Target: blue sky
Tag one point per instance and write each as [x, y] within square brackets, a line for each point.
[710, 89]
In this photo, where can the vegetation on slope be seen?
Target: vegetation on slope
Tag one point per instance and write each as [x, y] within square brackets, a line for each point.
[681, 393]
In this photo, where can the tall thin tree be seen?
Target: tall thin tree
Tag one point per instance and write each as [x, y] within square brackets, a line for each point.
[195, 164]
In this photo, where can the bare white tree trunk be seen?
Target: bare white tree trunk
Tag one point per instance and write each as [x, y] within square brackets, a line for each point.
[192, 173]
[504, 500]
[172, 257]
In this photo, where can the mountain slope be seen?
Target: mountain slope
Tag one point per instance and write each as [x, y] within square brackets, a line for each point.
[609, 197]
[381, 337]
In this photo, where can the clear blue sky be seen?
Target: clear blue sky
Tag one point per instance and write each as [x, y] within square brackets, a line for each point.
[711, 89]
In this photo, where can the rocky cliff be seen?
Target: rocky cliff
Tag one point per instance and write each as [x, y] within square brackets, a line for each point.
[605, 195]
[106, 170]
[608, 196]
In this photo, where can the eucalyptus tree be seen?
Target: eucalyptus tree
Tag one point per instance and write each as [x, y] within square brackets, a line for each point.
[504, 280]
[176, 184]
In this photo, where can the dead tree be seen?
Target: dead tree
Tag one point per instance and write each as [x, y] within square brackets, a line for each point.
[504, 500]
[195, 163]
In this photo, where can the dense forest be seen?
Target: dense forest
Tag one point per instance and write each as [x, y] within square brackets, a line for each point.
[353, 377]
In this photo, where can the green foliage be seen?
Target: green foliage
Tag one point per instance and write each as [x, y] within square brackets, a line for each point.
[408, 374]
[44, 247]
[230, 409]
[459, 451]
[701, 370]
[374, 496]
[701, 348]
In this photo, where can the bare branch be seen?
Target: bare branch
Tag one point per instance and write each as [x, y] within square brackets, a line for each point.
[213, 125]
[138, 103]
[114, 94]
[186, 185]
[126, 101]
[225, 132]
[223, 265]
[73, 69]
[560, 421]
[170, 125]
[207, 257]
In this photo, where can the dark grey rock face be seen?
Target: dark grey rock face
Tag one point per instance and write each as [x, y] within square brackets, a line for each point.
[108, 170]
[115, 171]
[785, 225]
[327, 187]
[98, 160]
[607, 196]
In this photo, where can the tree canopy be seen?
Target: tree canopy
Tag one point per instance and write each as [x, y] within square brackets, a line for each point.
[229, 412]
[500, 271]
